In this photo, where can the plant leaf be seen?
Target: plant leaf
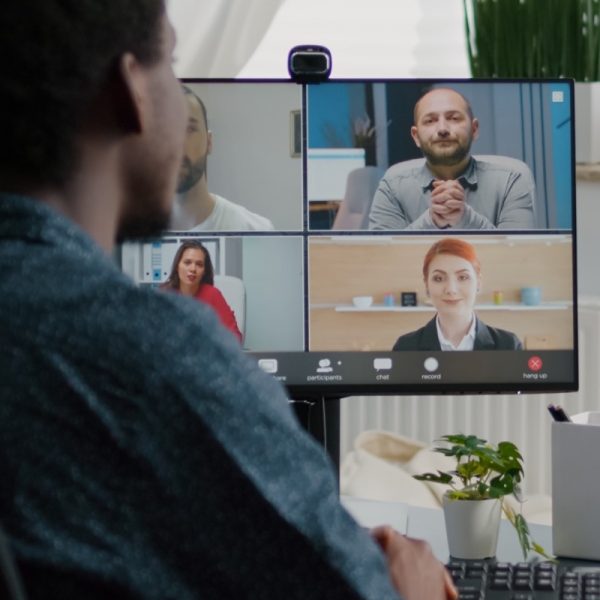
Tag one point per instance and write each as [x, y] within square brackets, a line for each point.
[533, 38]
[541, 551]
[483, 489]
[523, 534]
[461, 495]
[502, 485]
[441, 477]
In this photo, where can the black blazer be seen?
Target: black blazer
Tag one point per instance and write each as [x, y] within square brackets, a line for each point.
[486, 338]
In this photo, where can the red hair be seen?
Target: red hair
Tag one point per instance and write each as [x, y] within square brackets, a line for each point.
[454, 246]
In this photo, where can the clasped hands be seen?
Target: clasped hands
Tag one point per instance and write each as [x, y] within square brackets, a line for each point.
[447, 203]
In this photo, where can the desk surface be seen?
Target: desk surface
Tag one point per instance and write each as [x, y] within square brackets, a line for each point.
[428, 524]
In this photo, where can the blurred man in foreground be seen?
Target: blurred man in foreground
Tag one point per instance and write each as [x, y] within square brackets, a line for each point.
[143, 455]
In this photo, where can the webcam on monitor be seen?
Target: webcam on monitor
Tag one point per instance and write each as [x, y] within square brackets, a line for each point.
[309, 63]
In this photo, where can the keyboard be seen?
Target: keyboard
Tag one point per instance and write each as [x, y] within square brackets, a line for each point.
[491, 580]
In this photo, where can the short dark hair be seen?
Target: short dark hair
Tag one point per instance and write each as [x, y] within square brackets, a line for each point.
[209, 271]
[190, 92]
[56, 57]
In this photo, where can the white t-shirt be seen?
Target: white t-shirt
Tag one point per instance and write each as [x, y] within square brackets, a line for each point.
[228, 216]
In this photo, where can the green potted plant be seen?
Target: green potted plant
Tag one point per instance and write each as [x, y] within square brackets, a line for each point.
[541, 38]
[484, 475]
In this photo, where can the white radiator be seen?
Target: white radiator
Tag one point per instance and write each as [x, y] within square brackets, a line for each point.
[522, 419]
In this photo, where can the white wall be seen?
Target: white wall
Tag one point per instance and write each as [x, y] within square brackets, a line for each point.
[588, 228]
[251, 163]
[274, 299]
[368, 38]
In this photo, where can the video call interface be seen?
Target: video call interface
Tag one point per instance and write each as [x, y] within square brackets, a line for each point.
[400, 236]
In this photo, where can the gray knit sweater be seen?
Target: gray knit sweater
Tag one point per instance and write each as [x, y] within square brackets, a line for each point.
[142, 454]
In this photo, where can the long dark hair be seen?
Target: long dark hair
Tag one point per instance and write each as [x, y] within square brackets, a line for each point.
[209, 272]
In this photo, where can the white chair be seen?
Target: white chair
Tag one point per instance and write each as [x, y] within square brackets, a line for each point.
[234, 292]
[353, 212]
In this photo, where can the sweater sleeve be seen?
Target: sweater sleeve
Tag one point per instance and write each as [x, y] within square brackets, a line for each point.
[258, 487]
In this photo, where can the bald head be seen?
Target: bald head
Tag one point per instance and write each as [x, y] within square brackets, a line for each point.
[444, 130]
[442, 99]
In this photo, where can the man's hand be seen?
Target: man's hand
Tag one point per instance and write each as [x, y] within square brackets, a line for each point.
[414, 570]
[447, 203]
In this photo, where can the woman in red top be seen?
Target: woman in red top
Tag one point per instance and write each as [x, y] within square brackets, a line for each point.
[192, 274]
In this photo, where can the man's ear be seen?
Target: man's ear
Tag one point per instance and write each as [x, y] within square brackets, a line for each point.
[131, 93]
[209, 142]
[415, 137]
[475, 128]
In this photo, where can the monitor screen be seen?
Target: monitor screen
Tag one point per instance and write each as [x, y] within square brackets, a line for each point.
[380, 237]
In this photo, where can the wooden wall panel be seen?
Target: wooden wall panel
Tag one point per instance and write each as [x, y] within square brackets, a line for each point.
[340, 268]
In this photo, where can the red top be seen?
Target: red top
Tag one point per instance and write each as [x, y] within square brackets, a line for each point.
[209, 294]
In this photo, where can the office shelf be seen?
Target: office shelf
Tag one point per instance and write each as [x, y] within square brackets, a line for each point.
[505, 306]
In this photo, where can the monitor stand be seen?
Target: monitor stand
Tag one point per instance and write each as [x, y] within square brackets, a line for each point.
[320, 416]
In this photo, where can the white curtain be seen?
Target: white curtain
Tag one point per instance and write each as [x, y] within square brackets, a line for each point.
[216, 37]
[367, 38]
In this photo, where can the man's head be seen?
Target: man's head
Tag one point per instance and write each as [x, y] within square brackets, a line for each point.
[198, 143]
[90, 82]
[444, 127]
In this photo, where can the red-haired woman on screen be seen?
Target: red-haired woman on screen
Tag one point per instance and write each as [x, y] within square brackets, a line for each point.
[192, 274]
[452, 276]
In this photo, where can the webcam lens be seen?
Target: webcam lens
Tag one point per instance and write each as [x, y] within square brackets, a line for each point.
[309, 63]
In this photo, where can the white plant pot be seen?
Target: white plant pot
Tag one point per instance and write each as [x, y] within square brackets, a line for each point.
[472, 527]
[587, 122]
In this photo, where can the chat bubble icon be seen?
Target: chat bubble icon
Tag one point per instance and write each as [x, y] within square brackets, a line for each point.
[382, 364]
[268, 365]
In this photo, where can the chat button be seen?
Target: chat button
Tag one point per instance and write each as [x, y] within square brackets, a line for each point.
[382, 364]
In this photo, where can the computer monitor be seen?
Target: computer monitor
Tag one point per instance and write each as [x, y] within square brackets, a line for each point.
[352, 264]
